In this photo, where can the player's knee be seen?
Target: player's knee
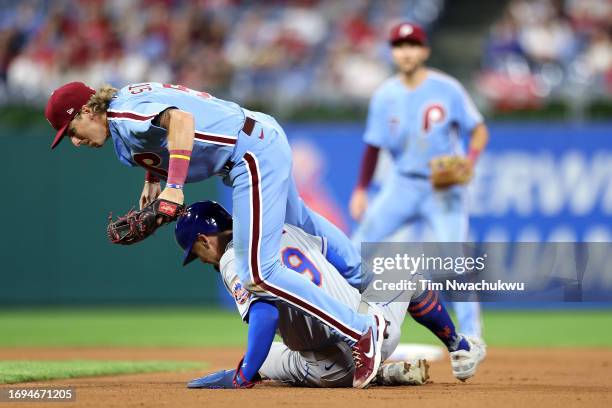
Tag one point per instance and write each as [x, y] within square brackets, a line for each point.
[333, 367]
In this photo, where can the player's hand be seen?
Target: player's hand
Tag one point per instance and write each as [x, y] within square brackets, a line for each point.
[150, 192]
[359, 203]
[172, 194]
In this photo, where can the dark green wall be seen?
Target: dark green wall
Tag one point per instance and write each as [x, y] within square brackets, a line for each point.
[53, 244]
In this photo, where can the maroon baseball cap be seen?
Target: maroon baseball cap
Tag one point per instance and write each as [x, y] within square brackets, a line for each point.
[64, 104]
[407, 32]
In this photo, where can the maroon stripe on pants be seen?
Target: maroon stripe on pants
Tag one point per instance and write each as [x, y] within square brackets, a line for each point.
[254, 239]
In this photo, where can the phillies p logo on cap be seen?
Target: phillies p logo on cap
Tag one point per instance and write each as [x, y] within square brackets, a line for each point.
[407, 32]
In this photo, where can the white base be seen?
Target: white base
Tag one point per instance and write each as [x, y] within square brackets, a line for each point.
[412, 352]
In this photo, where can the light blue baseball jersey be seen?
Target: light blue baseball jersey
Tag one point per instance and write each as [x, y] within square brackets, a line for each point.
[260, 176]
[139, 142]
[416, 125]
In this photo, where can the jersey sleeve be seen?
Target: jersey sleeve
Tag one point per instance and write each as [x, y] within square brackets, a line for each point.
[137, 114]
[468, 116]
[242, 297]
[376, 125]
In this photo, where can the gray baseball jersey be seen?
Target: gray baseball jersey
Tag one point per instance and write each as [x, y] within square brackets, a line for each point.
[310, 353]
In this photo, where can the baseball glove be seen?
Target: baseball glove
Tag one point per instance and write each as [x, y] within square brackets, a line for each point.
[446, 171]
[135, 226]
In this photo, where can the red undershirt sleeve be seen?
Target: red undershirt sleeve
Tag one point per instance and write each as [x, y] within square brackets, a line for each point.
[368, 165]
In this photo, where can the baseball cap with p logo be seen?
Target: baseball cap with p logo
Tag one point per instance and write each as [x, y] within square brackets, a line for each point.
[407, 32]
[64, 104]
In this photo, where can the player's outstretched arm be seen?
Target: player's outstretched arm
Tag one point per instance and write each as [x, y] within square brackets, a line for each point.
[263, 321]
[181, 130]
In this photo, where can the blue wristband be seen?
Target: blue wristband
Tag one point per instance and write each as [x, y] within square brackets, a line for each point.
[178, 186]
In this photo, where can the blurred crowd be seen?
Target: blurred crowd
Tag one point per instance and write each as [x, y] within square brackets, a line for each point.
[549, 48]
[278, 50]
[287, 52]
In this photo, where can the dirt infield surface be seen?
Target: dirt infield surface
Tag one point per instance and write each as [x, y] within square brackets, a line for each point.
[539, 378]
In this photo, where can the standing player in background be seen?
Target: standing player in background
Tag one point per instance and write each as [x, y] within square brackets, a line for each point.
[418, 115]
[310, 354]
[182, 135]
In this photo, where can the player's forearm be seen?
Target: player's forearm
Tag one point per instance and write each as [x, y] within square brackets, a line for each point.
[478, 142]
[368, 166]
[263, 321]
[181, 130]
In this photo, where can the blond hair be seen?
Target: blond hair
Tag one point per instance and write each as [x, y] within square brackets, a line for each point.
[100, 101]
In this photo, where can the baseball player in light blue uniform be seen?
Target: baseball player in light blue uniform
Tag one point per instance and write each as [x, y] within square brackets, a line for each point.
[182, 135]
[416, 116]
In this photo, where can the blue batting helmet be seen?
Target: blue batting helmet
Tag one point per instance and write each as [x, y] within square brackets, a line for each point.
[202, 217]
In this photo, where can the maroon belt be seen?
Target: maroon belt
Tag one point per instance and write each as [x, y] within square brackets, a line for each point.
[249, 125]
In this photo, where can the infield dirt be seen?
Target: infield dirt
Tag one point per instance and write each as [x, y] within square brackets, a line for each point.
[542, 378]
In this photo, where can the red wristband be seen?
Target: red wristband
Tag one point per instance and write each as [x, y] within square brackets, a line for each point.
[151, 178]
[178, 166]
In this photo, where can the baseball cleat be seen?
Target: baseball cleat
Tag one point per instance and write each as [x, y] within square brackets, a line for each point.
[366, 352]
[464, 363]
[403, 373]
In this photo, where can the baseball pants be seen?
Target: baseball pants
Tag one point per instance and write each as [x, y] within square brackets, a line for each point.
[405, 200]
[264, 198]
[332, 366]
